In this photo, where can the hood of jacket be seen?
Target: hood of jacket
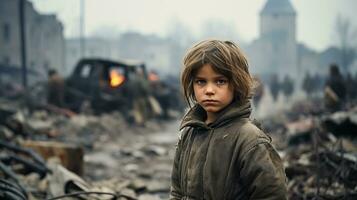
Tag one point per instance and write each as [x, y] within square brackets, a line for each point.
[196, 115]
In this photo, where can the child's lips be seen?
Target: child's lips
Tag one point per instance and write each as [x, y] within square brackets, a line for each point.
[209, 102]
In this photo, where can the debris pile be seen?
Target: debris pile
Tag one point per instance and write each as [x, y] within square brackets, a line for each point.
[45, 155]
[319, 151]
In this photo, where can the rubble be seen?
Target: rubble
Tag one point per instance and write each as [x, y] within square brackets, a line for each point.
[116, 160]
[71, 156]
[341, 123]
[108, 148]
[319, 151]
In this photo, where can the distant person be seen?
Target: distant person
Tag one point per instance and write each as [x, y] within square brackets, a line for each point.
[162, 92]
[354, 92]
[221, 154]
[351, 87]
[258, 91]
[287, 86]
[335, 89]
[139, 90]
[274, 86]
[318, 83]
[307, 84]
[56, 89]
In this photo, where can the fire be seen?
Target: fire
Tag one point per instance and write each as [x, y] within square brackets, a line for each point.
[116, 78]
[153, 77]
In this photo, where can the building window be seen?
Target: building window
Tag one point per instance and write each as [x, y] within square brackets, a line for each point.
[6, 32]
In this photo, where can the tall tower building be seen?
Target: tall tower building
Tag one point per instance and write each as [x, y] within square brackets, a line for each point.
[278, 44]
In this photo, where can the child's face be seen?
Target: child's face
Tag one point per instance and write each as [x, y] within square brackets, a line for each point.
[212, 90]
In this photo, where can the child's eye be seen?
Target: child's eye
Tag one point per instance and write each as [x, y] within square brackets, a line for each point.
[200, 82]
[221, 81]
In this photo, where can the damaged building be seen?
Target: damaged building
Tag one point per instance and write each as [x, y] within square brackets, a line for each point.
[44, 38]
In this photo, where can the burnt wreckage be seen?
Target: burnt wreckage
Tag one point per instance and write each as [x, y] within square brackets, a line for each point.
[104, 84]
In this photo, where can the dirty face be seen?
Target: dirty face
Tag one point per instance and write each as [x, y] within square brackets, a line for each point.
[212, 91]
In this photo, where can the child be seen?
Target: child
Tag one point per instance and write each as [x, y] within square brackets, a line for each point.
[221, 153]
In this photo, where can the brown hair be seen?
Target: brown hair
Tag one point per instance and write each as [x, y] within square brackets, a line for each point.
[226, 58]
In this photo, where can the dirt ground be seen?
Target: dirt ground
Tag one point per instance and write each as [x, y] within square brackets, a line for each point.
[139, 158]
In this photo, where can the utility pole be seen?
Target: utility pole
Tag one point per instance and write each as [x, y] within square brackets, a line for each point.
[23, 42]
[81, 25]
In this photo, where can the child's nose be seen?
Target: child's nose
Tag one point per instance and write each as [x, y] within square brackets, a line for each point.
[210, 89]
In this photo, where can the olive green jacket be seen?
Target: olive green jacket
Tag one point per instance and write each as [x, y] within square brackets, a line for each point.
[228, 159]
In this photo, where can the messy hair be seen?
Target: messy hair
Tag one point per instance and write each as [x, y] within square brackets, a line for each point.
[226, 58]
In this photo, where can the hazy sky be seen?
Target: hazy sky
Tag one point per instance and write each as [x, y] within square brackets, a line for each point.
[315, 19]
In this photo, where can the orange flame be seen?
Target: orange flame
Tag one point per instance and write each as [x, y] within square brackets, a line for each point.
[153, 77]
[116, 78]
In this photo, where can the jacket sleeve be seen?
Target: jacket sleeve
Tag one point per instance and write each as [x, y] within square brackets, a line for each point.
[175, 190]
[263, 173]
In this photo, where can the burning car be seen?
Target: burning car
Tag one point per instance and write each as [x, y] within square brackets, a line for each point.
[106, 85]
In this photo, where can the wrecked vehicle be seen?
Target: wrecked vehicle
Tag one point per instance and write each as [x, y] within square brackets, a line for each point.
[99, 86]
[103, 84]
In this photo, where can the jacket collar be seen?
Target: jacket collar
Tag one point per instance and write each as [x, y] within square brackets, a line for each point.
[196, 115]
